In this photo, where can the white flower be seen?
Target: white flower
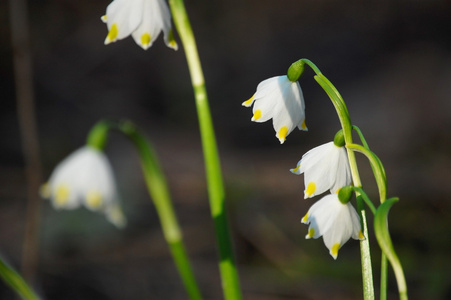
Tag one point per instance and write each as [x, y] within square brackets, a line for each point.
[143, 19]
[280, 99]
[335, 221]
[85, 178]
[324, 167]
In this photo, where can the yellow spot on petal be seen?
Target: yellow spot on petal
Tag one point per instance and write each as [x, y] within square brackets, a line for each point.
[304, 219]
[112, 34]
[361, 236]
[282, 134]
[303, 126]
[334, 250]
[296, 169]
[62, 195]
[145, 39]
[94, 200]
[257, 115]
[103, 18]
[45, 190]
[311, 233]
[338, 191]
[311, 188]
[248, 102]
[116, 216]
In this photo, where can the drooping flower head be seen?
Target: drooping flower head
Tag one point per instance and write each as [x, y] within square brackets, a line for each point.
[281, 100]
[334, 221]
[143, 19]
[325, 168]
[85, 178]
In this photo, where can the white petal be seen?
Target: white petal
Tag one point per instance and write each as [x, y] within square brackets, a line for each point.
[125, 15]
[84, 178]
[335, 221]
[279, 99]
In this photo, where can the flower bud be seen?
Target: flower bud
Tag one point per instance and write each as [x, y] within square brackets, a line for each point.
[339, 139]
[98, 135]
[345, 193]
[295, 70]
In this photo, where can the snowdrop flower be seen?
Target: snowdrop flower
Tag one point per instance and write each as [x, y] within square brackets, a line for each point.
[281, 100]
[85, 178]
[334, 221]
[143, 19]
[324, 167]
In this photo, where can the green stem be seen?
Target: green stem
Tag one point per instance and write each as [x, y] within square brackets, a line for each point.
[365, 198]
[158, 189]
[227, 266]
[384, 271]
[345, 120]
[384, 277]
[384, 240]
[379, 172]
[16, 282]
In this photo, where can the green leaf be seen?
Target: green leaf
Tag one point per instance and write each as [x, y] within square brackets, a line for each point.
[383, 238]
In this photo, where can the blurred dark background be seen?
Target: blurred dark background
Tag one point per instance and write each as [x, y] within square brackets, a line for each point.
[391, 62]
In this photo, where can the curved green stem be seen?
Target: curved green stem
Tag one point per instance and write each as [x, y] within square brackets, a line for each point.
[345, 121]
[379, 172]
[159, 192]
[365, 198]
[384, 240]
[227, 265]
[16, 282]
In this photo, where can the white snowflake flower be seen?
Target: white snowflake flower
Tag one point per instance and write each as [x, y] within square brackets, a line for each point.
[325, 168]
[334, 221]
[85, 178]
[143, 19]
[281, 100]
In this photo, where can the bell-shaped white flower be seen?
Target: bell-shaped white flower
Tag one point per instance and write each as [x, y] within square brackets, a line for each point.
[334, 221]
[325, 168]
[282, 100]
[143, 19]
[85, 178]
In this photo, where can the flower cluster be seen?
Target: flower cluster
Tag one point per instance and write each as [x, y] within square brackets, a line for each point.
[325, 167]
[85, 178]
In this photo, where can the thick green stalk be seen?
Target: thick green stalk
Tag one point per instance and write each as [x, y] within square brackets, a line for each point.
[343, 115]
[227, 266]
[16, 282]
[158, 189]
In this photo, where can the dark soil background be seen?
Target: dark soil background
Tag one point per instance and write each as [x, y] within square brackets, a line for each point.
[390, 60]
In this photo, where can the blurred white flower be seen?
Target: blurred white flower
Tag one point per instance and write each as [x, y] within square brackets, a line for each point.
[143, 19]
[325, 168]
[282, 100]
[85, 178]
[335, 221]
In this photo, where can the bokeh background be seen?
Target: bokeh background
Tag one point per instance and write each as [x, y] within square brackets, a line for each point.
[391, 62]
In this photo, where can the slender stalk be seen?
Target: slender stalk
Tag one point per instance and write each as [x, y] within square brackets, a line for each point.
[227, 265]
[384, 277]
[345, 120]
[158, 189]
[159, 192]
[16, 282]
[23, 75]
[384, 240]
